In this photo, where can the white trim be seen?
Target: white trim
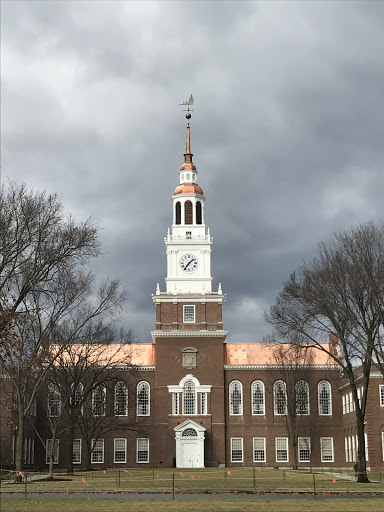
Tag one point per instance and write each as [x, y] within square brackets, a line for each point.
[285, 439]
[93, 444]
[125, 450]
[330, 397]
[188, 334]
[230, 392]
[322, 449]
[263, 449]
[382, 442]
[193, 308]
[79, 461]
[274, 366]
[55, 452]
[242, 449]
[149, 398]
[306, 440]
[263, 402]
[137, 450]
[381, 395]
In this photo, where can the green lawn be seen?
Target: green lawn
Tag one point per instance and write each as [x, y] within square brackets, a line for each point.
[228, 505]
[209, 479]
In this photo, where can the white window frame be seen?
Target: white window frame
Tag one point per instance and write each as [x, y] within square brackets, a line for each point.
[232, 389]
[305, 443]
[175, 404]
[54, 401]
[203, 403]
[322, 382]
[138, 442]
[353, 449]
[343, 401]
[350, 448]
[346, 448]
[277, 448]
[96, 390]
[95, 442]
[189, 313]
[276, 405]
[366, 447]
[382, 442]
[48, 445]
[79, 443]
[192, 396]
[239, 441]
[323, 449]
[381, 394]
[254, 402]
[117, 440]
[148, 387]
[257, 441]
[121, 387]
[305, 384]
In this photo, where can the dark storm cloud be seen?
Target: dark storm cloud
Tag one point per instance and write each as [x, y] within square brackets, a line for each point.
[287, 130]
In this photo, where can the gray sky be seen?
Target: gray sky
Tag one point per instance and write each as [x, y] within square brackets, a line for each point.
[287, 130]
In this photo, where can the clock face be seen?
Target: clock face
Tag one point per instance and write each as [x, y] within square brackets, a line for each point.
[189, 262]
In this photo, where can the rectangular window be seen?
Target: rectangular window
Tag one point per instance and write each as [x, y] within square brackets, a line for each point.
[346, 449]
[189, 314]
[382, 442]
[346, 404]
[203, 403]
[343, 399]
[13, 447]
[175, 403]
[236, 449]
[48, 446]
[381, 387]
[351, 402]
[358, 397]
[353, 449]
[366, 446]
[259, 449]
[76, 452]
[350, 448]
[304, 447]
[143, 450]
[120, 450]
[97, 455]
[281, 444]
[33, 452]
[326, 447]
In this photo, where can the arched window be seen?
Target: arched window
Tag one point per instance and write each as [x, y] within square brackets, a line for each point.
[280, 397]
[121, 399]
[258, 397]
[54, 401]
[235, 398]
[143, 399]
[325, 398]
[188, 216]
[77, 397]
[178, 212]
[98, 401]
[199, 217]
[189, 398]
[302, 397]
[189, 432]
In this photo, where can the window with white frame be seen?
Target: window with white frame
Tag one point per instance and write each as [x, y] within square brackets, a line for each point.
[343, 400]
[324, 398]
[302, 397]
[258, 397]
[281, 444]
[304, 449]
[280, 398]
[188, 314]
[358, 396]
[236, 449]
[346, 404]
[235, 398]
[351, 402]
[76, 451]
[381, 390]
[203, 403]
[119, 450]
[175, 403]
[259, 449]
[98, 401]
[121, 399]
[382, 442]
[48, 451]
[353, 449]
[350, 448]
[54, 401]
[143, 399]
[189, 397]
[142, 450]
[346, 449]
[326, 448]
[97, 455]
[77, 397]
[366, 446]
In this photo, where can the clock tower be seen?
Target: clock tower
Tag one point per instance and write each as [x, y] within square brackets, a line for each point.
[189, 336]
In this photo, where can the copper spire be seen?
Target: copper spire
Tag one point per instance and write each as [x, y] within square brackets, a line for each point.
[188, 163]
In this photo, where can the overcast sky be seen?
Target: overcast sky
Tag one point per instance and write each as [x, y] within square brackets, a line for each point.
[287, 131]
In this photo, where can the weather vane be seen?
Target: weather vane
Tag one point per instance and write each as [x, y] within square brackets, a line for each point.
[188, 103]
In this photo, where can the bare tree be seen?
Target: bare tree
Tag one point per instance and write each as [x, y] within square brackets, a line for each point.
[42, 282]
[293, 371]
[334, 293]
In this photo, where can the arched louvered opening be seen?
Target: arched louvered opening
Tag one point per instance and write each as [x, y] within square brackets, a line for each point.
[178, 212]
[199, 217]
[189, 432]
[188, 215]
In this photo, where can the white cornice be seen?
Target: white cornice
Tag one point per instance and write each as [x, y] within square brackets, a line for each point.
[277, 367]
[188, 334]
[192, 297]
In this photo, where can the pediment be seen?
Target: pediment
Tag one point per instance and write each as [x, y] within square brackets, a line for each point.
[189, 424]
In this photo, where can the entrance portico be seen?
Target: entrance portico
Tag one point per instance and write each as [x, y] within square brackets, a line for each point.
[189, 445]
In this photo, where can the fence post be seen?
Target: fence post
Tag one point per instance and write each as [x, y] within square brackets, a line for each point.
[254, 478]
[173, 486]
[314, 484]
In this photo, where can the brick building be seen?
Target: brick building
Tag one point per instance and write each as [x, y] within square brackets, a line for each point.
[189, 399]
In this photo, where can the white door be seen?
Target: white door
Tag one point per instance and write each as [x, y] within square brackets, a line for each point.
[190, 454]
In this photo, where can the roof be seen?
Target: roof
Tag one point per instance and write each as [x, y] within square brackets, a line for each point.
[265, 354]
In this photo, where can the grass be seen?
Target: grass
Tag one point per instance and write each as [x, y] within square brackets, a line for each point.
[208, 479]
[203, 505]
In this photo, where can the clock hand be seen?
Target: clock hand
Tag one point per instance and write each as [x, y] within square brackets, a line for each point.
[189, 262]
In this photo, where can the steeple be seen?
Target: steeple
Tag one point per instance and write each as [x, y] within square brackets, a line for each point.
[188, 163]
[188, 173]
